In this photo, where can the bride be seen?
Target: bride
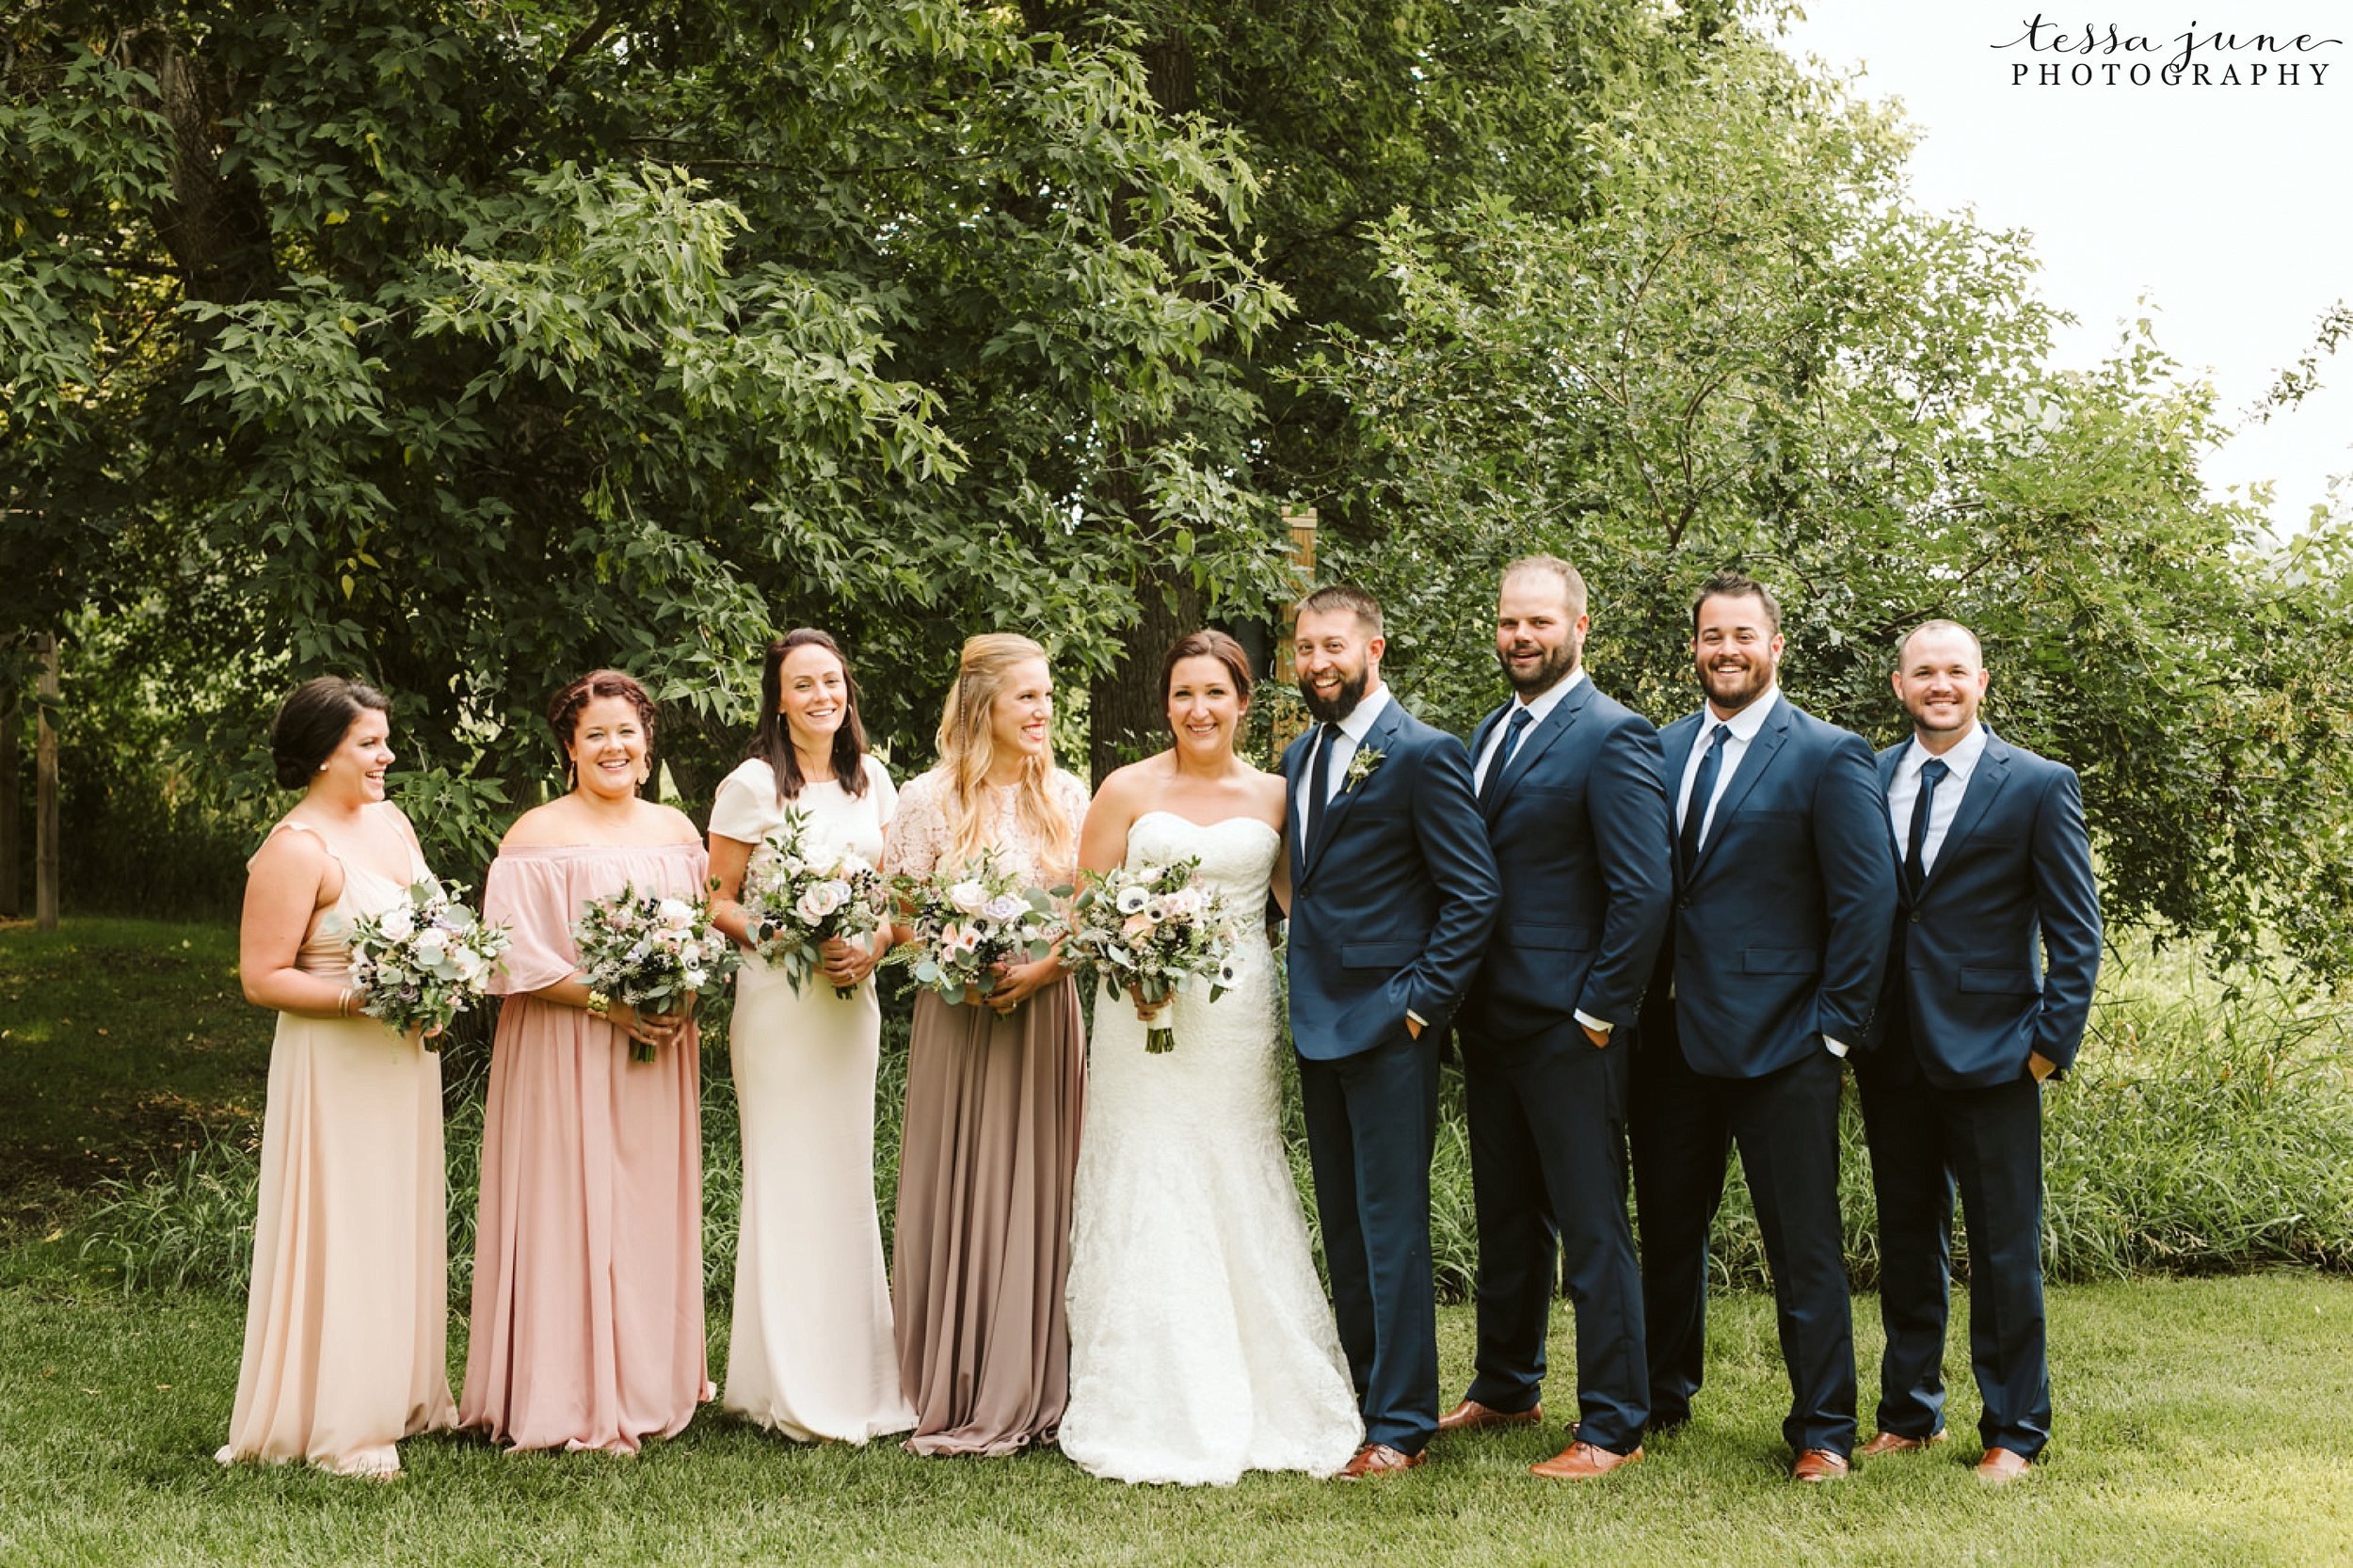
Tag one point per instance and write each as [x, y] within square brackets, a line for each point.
[1200, 1342]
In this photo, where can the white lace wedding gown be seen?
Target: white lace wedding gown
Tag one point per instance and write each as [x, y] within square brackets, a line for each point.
[1201, 1345]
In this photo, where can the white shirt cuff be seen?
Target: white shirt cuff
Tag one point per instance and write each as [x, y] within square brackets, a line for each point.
[1837, 1047]
[1599, 1026]
[1417, 1017]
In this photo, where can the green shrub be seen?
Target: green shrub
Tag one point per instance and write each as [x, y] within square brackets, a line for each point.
[2203, 1131]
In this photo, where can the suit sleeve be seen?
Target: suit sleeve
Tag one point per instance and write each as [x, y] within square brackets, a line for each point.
[1627, 805]
[2067, 902]
[1858, 888]
[1461, 864]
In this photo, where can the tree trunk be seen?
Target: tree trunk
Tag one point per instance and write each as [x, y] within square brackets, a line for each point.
[11, 810]
[1126, 719]
[45, 793]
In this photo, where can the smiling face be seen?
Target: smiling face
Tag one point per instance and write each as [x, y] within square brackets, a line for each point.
[813, 694]
[1337, 659]
[1940, 679]
[1204, 706]
[1019, 720]
[1736, 650]
[1538, 640]
[354, 771]
[609, 748]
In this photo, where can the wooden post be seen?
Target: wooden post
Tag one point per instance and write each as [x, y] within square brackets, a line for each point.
[45, 792]
[11, 807]
[1290, 719]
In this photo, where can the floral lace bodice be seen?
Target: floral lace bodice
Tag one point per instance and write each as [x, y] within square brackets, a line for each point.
[921, 837]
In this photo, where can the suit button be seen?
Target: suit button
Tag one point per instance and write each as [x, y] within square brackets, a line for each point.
[1915, 917]
[1684, 903]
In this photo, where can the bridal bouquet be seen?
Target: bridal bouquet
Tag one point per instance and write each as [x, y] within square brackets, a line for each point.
[969, 919]
[796, 895]
[651, 950]
[423, 962]
[1150, 929]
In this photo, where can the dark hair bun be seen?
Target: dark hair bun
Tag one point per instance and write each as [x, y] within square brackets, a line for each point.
[312, 722]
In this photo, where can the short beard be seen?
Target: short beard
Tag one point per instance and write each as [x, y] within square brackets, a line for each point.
[1351, 693]
[1558, 665]
[1758, 671]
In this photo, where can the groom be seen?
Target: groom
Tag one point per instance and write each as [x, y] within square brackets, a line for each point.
[1393, 892]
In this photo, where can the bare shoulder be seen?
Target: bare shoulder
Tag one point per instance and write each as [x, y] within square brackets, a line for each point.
[1127, 786]
[1269, 789]
[290, 850]
[541, 825]
[677, 827]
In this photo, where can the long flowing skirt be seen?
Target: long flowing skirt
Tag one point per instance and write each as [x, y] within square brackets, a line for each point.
[812, 1353]
[347, 1324]
[588, 1264]
[982, 1249]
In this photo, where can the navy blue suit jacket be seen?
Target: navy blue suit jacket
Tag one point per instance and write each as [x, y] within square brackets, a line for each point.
[1578, 822]
[1393, 898]
[2015, 865]
[1778, 935]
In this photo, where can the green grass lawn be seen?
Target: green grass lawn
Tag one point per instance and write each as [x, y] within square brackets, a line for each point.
[2199, 1420]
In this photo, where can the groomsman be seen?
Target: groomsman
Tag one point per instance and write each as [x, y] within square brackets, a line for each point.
[1571, 789]
[1784, 889]
[1393, 894]
[1993, 855]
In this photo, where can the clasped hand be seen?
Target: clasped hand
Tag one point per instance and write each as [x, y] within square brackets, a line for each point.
[1017, 983]
[652, 1029]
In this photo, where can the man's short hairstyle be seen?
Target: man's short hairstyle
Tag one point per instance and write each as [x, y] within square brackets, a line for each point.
[1571, 581]
[1345, 596]
[1728, 584]
[1903, 649]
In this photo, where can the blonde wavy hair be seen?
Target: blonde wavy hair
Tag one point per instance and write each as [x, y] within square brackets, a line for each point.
[968, 748]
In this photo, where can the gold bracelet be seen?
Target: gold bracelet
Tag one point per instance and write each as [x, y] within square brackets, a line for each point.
[342, 1003]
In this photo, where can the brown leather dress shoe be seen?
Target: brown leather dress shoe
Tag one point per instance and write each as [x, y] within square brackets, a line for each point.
[1378, 1459]
[1819, 1464]
[1897, 1442]
[1470, 1416]
[1582, 1462]
[2000, 1467]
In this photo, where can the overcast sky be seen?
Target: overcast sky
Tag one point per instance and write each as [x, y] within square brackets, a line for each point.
[2225, 205]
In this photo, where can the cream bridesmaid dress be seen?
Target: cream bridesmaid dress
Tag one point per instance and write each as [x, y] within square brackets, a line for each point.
[345, 1329]
[812, 1352]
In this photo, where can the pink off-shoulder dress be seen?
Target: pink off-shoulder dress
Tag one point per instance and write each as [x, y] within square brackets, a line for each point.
[587, 1323]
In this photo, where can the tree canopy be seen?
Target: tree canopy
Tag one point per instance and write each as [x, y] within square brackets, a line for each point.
[466, 346]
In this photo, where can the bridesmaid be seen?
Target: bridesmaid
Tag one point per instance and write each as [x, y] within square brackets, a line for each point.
[994, 1091]
[587, 1324]
[811, 1353]
[344, 1329]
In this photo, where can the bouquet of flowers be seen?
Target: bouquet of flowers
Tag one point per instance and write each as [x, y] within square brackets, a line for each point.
[1152, 928]
[796, 895]
[969, 919]
[649, 950]
[423, 962]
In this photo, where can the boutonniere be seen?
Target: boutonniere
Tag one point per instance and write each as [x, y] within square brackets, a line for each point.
[1360, 767]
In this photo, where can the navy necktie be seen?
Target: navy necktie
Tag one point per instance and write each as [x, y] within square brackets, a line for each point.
[1319, 790]
[1932, 773]
[1512, 729]
[1703, 791]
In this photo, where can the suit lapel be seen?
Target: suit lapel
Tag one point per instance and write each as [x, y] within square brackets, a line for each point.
[1753, 763]
[1537, 741]
[1328, 813]
[1985, 781]
[1294, 770]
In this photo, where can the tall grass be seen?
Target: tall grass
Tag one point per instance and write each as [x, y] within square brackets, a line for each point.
[2204, 1130]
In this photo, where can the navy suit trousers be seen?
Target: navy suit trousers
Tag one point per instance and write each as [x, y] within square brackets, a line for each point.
[1548, 1166]
[1372, 1125]
[1988, 1143]
[1786, 1123]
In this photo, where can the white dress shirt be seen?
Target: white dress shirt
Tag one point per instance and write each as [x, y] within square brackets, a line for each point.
[1904, 789]
[1539, 708]
[1744, 725]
